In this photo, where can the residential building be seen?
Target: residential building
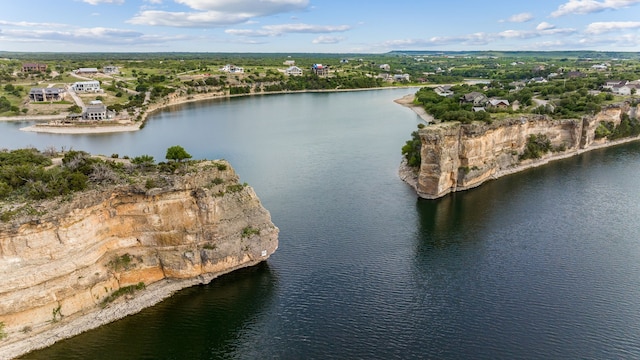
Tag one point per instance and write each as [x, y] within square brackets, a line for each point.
[110, 69]
[87, 71]
[498, 103]
[46, 94]
[289, 62]
[86, 86]
[475, 98]
[444, 90]
[96, 110]
[401, 77]
[293, 71]
[626, 89]
[320, 70]
[29, 67]
[232, 69]
[385, 67]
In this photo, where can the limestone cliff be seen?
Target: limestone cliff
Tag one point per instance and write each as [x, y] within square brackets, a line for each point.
[457, 156]
[63, 273]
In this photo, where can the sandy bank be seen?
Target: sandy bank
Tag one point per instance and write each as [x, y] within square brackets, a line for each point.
[82, 129]
[407, 101]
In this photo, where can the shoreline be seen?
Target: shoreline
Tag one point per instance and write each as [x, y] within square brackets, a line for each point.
[410, 175]
[181, 100]
[78, 324]
[407, 101]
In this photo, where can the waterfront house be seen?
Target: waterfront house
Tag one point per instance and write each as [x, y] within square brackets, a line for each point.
[96, 110]
[293, 71]
[444, 90]
[320, 70]
[401, 77]
[46, 94]
[86, 86]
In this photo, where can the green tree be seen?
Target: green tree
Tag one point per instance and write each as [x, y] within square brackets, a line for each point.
[177, 153]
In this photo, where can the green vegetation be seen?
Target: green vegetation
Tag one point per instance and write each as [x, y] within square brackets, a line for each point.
[250, 231]
[3, 332]
[56, 314]
[177, 153]
[125, 290]
[627, 128]
[122, 262]
[411, 149]
[537, 145]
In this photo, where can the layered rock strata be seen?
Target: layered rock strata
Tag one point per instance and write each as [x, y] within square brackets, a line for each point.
[63, 273]
[456, 156]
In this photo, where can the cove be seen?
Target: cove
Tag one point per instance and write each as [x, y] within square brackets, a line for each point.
[539, 264]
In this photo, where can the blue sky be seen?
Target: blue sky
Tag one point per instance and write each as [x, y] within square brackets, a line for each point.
[327, 26]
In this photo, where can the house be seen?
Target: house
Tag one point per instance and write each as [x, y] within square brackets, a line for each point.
[86, 86]
[385, 67]
[289, 62]
[444, 90]
[401, 77]
[599, 67]
[344, 61]
[232, 69]
[320, 70]
[46, 94]
[538, 80]
[626, 89]
[87, 71]
[475, 98]
[293, 71]
[610, 84]
[110, 69]
[96, 110]
[498, 103]
[575, 74]
[29, 67]
[518, 85]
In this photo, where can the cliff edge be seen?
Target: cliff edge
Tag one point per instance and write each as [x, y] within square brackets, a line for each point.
[456, 157]
[107, 253]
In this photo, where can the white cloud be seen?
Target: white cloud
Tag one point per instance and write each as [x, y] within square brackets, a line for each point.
[603, 27]
[591, 6]
[212, 13]
[545, 26]
[97, 2]
[520, 18]
[277, 30]
[327, 40]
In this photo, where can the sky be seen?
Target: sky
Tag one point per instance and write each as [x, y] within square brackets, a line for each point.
[318, 26]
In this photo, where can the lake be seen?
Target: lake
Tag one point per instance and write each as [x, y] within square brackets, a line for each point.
[537, 265]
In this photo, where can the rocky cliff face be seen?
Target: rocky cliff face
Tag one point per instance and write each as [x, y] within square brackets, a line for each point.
[459, 156]
[73, 262]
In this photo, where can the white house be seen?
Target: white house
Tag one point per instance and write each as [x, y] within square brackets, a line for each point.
[232, 69]
[444, 90]
[96, 110]
[385, 67]
[87, 71]
[293, 71]
[86, 86]
[401, 77]
[289, 62]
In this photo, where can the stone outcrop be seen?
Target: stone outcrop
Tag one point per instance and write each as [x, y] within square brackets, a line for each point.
[66, 269]
[458, 156]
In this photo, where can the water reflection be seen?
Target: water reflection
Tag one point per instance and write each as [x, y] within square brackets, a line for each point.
[202, 322]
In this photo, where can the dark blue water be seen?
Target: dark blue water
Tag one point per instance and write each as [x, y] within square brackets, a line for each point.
[538, 265]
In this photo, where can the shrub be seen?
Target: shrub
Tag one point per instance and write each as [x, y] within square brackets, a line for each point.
[3, 333]
[537, 145]
[249, 231]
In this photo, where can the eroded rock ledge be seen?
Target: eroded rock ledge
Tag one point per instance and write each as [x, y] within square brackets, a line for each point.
[457, 157]
[63, 273]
